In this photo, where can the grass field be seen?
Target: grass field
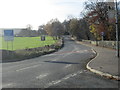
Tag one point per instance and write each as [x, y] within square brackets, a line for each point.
[25, 42]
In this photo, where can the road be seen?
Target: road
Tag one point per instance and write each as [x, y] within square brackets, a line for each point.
[63, 69]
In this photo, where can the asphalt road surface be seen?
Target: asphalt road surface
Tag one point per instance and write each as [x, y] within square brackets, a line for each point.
[63, 69]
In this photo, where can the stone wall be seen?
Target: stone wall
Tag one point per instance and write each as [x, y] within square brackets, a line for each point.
[17, 55]
[108, 44]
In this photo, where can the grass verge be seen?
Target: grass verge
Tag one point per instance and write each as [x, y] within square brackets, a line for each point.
[25, 43]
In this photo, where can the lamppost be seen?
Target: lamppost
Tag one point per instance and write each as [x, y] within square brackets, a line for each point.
[111, 14]
[117, 32]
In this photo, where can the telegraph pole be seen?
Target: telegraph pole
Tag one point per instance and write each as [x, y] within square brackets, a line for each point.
[117, 32]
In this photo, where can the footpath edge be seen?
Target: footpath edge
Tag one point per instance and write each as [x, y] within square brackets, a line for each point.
[107, 75]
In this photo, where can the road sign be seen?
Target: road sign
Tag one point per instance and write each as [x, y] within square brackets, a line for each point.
[8, 35]
[102, 33]
[42, 38]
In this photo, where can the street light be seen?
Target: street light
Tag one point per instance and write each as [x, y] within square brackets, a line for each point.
[117, 32]
[111, 17]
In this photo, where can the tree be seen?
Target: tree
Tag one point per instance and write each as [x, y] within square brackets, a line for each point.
[84, 32]
[41, 30]
[97, 14]
[27, 33]
[66, 27]
[74, 26]
[29, 28]
[54, 28]
[79, 28]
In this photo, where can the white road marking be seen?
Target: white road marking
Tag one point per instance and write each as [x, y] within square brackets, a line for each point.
[85, 50]
[68, 65]
[53, 83]
[78, 51]
[48, 55]
[57, 82]
[65, 78]
[42, 76]
[27, 68]
[54, 60]
[7, 85]
[93, 51]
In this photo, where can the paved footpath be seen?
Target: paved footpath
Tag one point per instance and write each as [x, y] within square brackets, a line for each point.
[105, 63]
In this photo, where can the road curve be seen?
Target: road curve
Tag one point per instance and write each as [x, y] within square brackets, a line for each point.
[63, 69]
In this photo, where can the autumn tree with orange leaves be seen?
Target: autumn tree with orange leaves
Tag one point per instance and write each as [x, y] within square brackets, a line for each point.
[97, 16]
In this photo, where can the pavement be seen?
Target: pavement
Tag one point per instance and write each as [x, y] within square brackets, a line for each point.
[105, 63]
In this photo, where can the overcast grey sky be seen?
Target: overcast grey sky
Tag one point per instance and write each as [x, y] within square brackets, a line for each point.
[19, 13]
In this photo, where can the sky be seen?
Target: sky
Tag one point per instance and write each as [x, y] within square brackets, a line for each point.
[20, 13]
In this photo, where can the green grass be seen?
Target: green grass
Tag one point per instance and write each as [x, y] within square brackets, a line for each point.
[25, 42]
